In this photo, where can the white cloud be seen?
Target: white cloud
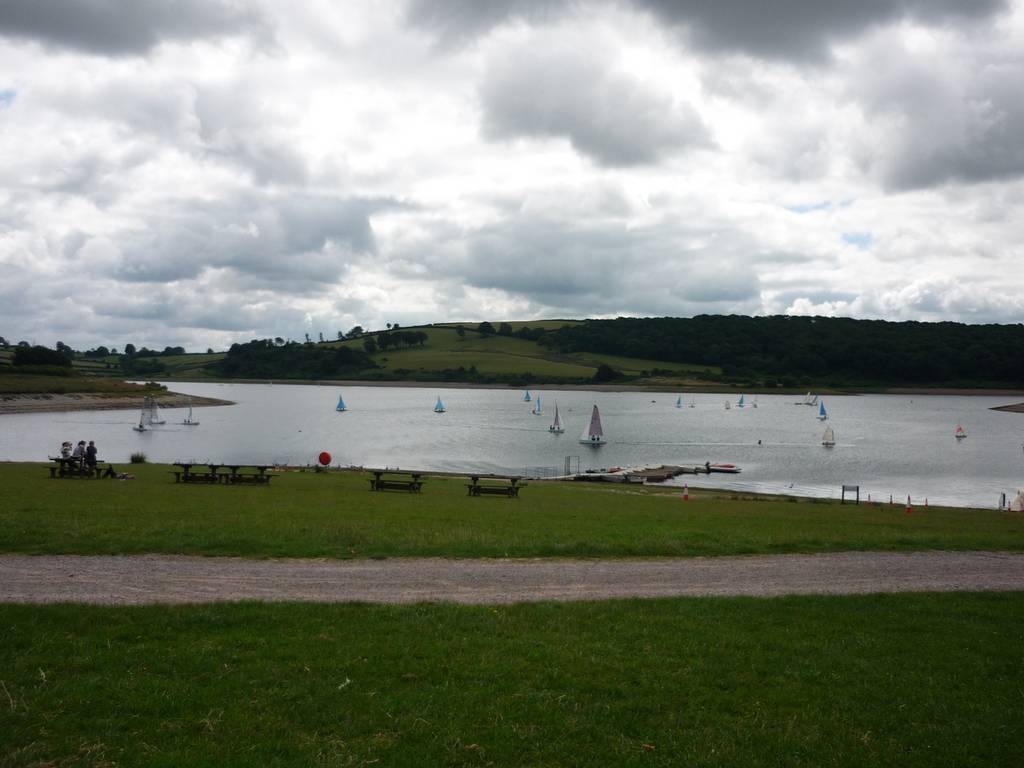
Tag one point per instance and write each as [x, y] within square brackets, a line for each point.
[232, 170]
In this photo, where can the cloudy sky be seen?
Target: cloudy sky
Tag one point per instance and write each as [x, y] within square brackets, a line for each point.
[198, 172]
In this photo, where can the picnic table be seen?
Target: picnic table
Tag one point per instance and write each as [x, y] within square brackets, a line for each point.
[71, 467]
[398, 481]
[509, 488]
[234, 474]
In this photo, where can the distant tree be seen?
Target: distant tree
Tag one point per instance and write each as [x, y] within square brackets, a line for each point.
[421, 338]
[113, 350]
[370, 345]
[388, 326]
[394, 326]
[24, 344]
[278, 341]
[308, 340]
[321, 337]
[209, 350]
[355, 333]
[605, 372]
[505, 329]
[461, 332]
[65, 350]
[129, 349]
[3, 342]
[39, 356]
[384, 340]
[485, 329]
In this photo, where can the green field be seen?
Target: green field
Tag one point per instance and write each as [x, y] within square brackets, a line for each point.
[507, 355]
[306, 514]
[887, 680]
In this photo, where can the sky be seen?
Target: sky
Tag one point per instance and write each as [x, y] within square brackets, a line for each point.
[200, 172]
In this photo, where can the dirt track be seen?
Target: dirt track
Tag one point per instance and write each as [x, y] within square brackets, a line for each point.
[136, 580]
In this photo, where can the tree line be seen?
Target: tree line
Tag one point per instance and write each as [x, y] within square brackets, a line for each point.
[790, 350]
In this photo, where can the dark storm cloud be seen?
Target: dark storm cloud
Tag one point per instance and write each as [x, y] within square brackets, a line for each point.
[802, 29]
[123, 27]
[610, 116]
[777, 29]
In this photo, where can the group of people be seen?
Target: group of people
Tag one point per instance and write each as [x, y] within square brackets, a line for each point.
[85, 454]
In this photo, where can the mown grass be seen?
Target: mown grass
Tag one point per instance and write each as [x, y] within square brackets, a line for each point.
[305, 514]
[887, 680]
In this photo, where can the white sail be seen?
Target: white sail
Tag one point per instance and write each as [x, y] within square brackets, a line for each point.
[439, 406]
[556, 425]
[593, 434]
[154, 412]
[959, 433]
[829, 438]
[189, 421]
[536, 407]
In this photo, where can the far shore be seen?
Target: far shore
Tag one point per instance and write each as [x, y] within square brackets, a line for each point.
[94, 401]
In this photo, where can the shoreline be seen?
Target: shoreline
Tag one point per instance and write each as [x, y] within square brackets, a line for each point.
[90, 401]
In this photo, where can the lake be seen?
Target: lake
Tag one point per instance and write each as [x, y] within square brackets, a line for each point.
[887, 444]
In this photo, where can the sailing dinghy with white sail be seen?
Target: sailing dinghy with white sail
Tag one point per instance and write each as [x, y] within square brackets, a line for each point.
[593, 435]
[189, 421]
[556, 427]
[155, 416]
[959, 433]
[536, 407]
[829, 438]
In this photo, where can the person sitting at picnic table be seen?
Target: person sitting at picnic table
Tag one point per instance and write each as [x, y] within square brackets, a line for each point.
[90, 455]
[65, 450]
[79, 452]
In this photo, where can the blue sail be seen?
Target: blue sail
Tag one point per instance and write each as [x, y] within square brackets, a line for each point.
[341, 404]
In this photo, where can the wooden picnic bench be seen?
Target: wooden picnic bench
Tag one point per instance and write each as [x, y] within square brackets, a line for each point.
[69, 468]
[235, 474]
[399, 481]
[509, 488]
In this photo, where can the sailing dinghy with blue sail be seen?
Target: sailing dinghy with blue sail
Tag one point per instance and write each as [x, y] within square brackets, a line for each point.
[822, 413]
[341, 407]
[536, 407]
[439, 406]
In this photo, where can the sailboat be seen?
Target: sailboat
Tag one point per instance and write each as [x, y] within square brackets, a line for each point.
[526, 396]
[189, 421]
[829, 438]
[593, 435]
[679, 402]
[556, 427]
[741, 402]
[727, 405]
[154, 411]
[536, 407]
[340, 407]
[754, 404]
[439, 406]
[143, 425]
[959, 433]
[822, 413]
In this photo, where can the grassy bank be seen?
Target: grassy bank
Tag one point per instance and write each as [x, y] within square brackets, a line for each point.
[335, 515]
[853, 681]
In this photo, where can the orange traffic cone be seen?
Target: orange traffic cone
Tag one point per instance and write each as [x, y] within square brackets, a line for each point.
[909, 508]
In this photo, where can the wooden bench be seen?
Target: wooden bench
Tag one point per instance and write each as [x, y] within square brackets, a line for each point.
[70, 469]
[509, 489]
[397, 482]
[235, 474]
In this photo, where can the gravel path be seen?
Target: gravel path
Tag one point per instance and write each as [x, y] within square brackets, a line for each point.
[136, 580]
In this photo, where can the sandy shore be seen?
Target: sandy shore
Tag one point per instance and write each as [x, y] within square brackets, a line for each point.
[88, 401]
[147, 579]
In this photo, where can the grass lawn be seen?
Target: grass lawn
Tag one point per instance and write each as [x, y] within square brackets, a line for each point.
[305, 514]
[889, 680]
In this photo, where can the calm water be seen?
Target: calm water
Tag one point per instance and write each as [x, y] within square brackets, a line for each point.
[886, 444]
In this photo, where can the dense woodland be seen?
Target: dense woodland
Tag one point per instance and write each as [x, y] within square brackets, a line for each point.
[263, 359]
[790, 350]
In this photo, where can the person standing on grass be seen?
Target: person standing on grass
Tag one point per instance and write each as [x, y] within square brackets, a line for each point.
[90, 455]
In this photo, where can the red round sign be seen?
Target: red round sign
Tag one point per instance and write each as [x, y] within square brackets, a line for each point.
[325, 458]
